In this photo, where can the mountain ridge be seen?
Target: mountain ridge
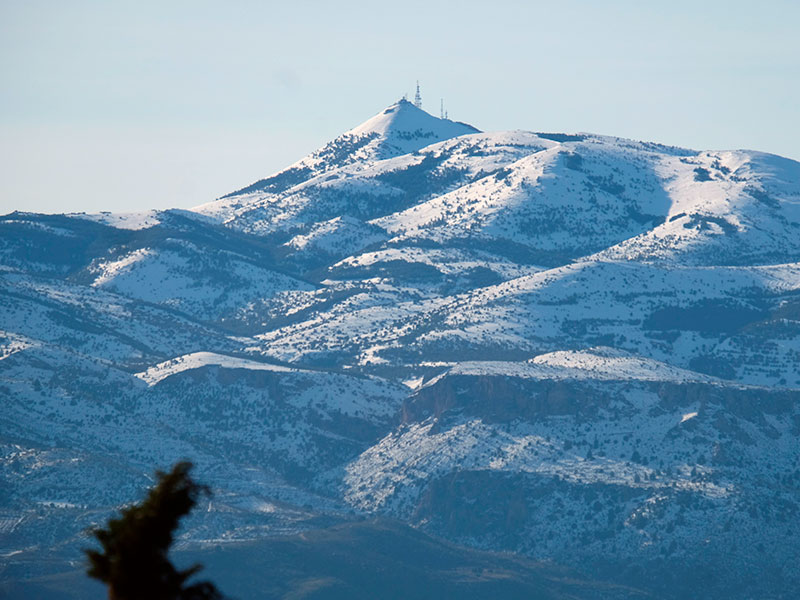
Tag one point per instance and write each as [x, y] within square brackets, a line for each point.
[399, 129]
[567, 347]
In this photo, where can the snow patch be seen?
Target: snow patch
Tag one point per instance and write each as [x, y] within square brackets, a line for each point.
[197, 360]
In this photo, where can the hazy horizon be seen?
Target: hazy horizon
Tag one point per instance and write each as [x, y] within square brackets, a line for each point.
[138, 106]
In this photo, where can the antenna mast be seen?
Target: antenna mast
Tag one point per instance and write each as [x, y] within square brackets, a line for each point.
[418, 97]
[441, 109]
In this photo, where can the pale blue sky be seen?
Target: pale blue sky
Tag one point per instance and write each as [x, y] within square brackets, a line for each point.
[117, 105]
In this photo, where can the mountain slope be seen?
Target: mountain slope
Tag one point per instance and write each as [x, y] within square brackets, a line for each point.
[400, 129]
[568, 347]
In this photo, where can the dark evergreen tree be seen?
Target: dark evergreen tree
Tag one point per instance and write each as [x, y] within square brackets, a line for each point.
[134, 560]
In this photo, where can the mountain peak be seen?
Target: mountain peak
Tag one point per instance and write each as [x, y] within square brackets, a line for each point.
[404, 122]
[398, 129]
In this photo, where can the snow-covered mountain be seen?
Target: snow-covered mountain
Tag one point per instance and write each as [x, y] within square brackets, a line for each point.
[573, 347]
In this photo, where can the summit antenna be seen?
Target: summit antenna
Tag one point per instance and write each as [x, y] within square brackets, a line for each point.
[418, 97]
[441, 109]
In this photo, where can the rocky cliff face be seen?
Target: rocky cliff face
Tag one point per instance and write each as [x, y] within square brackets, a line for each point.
[585, 470]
